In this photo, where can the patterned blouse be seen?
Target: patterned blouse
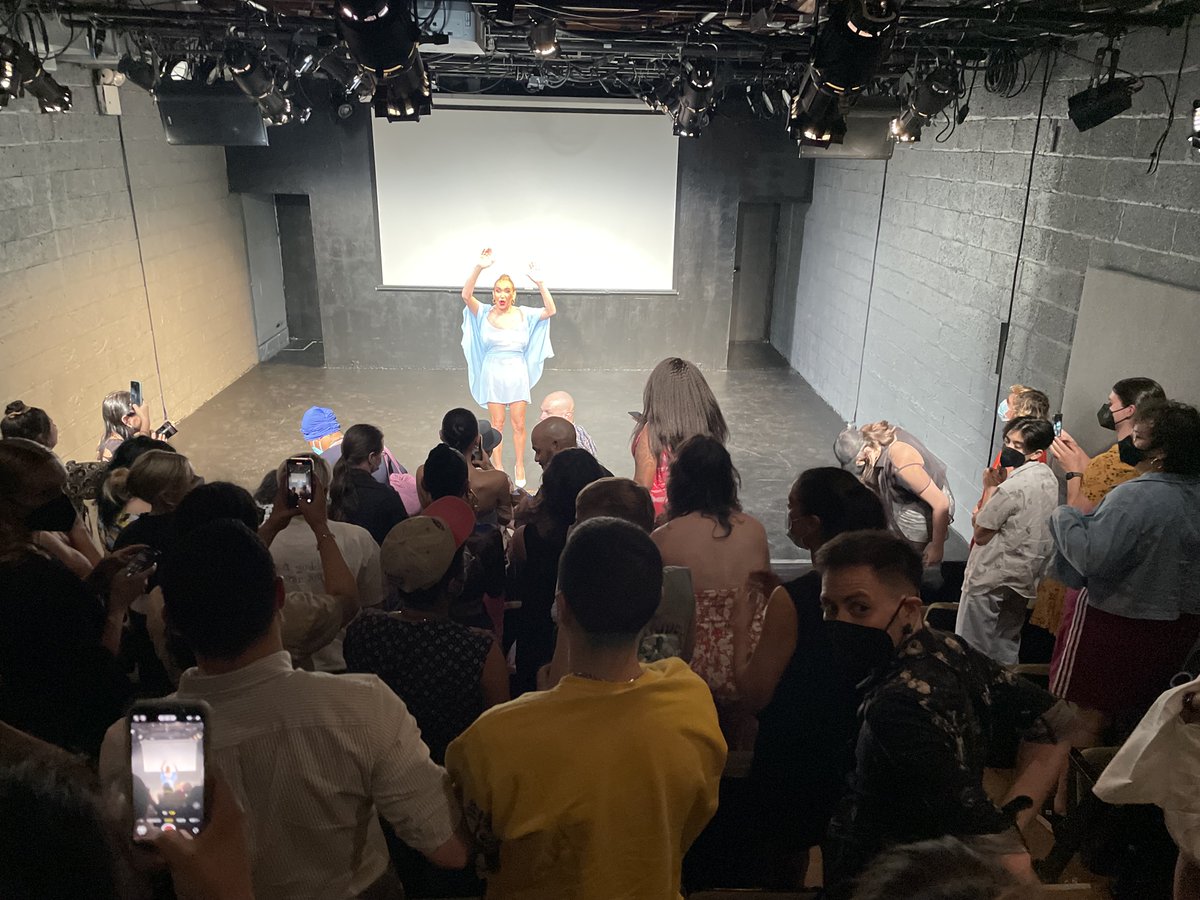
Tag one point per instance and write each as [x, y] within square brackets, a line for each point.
[434, 666]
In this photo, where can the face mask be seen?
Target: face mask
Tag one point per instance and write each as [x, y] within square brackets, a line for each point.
[1130, 455]
[861, 650]
[1002, 409]
[1012, 458]
[1104, 415]
[57, 515]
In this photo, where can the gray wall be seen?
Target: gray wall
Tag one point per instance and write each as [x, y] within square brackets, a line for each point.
[299, 266]
[364, 327]
[948, 252]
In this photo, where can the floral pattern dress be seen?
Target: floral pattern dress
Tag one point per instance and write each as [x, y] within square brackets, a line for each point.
[712, 657]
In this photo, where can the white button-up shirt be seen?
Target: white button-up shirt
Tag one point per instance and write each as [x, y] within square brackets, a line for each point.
[313, 758]
[1019, 512]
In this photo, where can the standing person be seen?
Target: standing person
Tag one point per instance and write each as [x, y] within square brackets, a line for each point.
[1139, 554]
[506, 346]
[707, 532]
[122, 420]
[562, 404]
[676, 404]
[1012, 542]
[355, 495]
[913, 485]
[596, 788]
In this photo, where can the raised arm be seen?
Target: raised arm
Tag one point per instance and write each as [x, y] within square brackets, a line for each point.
[468, 291]
[548, 307]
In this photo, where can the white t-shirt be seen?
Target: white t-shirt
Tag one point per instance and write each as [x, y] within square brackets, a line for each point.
[299, 565]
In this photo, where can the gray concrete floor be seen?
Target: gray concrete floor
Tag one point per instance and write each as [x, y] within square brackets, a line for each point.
[778, 425]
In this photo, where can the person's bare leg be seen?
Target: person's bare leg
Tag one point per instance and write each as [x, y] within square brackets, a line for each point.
[518, 419]
[1187, 879]
[496, 414]
[1038, 768]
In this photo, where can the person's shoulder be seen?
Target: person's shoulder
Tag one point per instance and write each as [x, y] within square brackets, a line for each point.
[676, 674]
[349, 532]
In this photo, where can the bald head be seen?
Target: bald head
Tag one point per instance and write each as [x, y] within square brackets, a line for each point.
[559, 403]
[550, 436]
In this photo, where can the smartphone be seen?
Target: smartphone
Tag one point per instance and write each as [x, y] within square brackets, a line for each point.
[299, 479]
[166, 431]
[142, 560]
[135, 392]
[1058, 424]
[168, 765]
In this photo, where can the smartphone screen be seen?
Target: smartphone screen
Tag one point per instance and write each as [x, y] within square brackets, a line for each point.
[299, 478]
[1058, 424]
[135, 391]
[166, 764]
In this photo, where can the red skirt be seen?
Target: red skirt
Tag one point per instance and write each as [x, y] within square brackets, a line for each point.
[1116, 664]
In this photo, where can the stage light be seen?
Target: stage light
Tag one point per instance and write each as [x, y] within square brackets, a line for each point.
[22, 71]
[696, 88]
[257, 82]
[925, 101]
[543, 38]
[384, 39]
[346, 73]
[1102, 98]
[1194, 137]
[139, 72]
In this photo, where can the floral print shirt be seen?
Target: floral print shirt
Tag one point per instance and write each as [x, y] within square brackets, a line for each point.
[930, 720]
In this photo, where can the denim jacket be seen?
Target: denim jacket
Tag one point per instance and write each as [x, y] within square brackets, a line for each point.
[1139, 552]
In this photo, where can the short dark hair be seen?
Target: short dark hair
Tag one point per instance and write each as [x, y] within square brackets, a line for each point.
[216, 500]
[1138, 391]
[1036, 434]
[445, 473]
[218, 585]
[621, 498]
[839, 500]
[891, 558]
[29, 422]
[703, 479]
[568, 473]
[460, 428]
[944, 868]
[1174, 429]
[610, 573]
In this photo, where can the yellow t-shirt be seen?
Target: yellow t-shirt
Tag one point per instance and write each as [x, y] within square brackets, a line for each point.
[592, 790]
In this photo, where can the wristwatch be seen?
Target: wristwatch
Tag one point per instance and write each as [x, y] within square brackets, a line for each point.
[1071, 475]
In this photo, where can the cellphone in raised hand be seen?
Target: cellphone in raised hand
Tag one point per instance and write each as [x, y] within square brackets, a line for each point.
[135, 393]
[1058, 424]
[299, 479]
[168, 766]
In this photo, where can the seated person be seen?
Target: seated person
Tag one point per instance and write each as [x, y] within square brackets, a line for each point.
[446, 674]
[934, 709]
[490, 491]
[356, 492]
[595, 789]
[562, 404]
[115, 508]
[944, 868]
[313, 758]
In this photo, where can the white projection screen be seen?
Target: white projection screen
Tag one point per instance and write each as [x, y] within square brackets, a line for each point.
[588, 196]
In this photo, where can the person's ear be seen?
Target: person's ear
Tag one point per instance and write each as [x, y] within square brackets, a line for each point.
[280, 594]
[913, 615]
[565, 618]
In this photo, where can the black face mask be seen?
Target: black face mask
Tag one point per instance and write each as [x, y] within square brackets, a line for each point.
[1012, 458]
[56, 515]
[1130, 455]
[1104, 415]
[861, 650]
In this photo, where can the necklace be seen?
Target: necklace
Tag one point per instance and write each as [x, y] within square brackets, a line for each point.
[590, 677]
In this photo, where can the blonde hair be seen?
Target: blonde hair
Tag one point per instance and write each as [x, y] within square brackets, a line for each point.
[507, 278]
[159, 477]
[1030, 402]
[878, 434]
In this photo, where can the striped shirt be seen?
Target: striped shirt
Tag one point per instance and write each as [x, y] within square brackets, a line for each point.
[313, 759]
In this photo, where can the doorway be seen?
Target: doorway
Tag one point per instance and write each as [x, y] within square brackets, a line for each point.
[301, 297]
[754, 259]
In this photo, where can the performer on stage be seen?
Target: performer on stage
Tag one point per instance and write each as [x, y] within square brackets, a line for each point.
[506, 346]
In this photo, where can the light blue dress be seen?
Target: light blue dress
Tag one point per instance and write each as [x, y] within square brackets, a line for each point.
[503, 364]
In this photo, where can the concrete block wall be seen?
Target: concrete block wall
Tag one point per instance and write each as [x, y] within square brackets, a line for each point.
[75, 310]
[947, 256]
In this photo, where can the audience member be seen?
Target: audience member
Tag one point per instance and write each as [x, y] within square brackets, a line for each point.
[941, 869]
[804, 691]
[707, 532]
[533, 561]
[160, 479]
[912, 484]
[1012, 543]
[490, 489]
[122, 420]
[562, 404]
[59, 677]
[355, 495]
[446, 674]
[1139, 555]
[934, 709]
[596, 788]
[29, 422]
[112, 515]
[298, 561]
[1021, 402]
[548, 437]
[313, 757]
[1088, 482]
[677, 403]
[320, 427]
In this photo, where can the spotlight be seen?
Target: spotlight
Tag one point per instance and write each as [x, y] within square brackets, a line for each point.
[21, 72]
[925, 101]
[384, 39]
[543, 38]
[1194, 137]
[691, 113]
[1102, 99]
[139, 72]
[346, 73]
[257, 82]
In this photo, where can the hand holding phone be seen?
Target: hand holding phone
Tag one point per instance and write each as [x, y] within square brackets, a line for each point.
[168, 765]
[299, 480]
[1058, 424]
[135, 393]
